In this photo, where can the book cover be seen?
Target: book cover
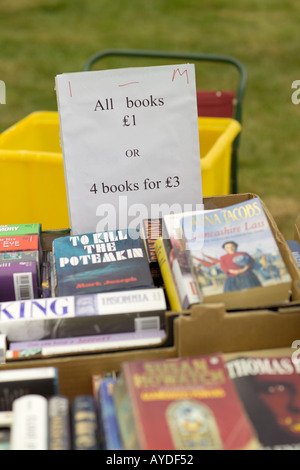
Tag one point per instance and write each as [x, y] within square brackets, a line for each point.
[294, 246]
[19, 280]
[179, 262]
[100, 262]
[83, 315]
[20, 243]
[14, 230]
[18, 382]
[269, 388]
[187, 404]
[232, 251]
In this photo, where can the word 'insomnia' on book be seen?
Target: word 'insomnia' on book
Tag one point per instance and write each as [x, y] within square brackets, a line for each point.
[96, 262]
[83, 315]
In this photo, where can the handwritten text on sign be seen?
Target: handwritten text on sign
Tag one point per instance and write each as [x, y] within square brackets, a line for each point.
[130, 143]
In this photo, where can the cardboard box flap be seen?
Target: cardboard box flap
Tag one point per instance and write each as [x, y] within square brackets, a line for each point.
[209, 328]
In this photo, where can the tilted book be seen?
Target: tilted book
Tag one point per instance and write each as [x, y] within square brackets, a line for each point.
[269, 388]
[100, 262]
[233, 255]
[186, 403]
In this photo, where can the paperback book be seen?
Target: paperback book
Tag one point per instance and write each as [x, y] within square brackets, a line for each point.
[83, 315]
[269, 388]
[186, 404]
[100, 262]
[232, 251]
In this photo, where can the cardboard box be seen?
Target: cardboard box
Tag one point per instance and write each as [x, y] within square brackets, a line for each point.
[206, 328]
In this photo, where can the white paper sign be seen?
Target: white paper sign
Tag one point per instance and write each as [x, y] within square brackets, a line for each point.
[130, 143]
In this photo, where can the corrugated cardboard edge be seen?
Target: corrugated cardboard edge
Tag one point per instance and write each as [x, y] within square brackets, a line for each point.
[209, 328]
[297, 229]
[75, 372]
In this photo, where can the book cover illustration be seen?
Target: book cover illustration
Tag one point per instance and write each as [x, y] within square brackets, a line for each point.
[269, 388]
[232, 250]
[187, 404]
[99, 262]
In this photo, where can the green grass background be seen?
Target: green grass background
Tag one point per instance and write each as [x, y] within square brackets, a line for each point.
[41, 38]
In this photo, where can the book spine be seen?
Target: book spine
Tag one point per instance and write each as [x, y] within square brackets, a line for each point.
[110, 424]
[125, 417]
[84, 421]
[3, 348]
[59, 423]
[99, 339]
[166, 273]
[30, 423]
[83, 348]
[182, 273]
[84, 316]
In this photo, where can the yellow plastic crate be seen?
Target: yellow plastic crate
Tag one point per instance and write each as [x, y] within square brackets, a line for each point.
[33, 185]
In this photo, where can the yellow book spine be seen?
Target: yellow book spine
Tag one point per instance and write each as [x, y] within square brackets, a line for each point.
[166, 273]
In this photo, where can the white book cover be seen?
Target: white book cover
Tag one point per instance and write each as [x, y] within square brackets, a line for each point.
[130, 143]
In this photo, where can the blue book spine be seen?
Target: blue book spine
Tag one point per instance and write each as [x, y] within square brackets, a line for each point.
[85, 428]
[110, 424]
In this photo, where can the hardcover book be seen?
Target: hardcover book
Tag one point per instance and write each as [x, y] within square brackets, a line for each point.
[83, 315]
[59, 423]
[84, 423]
[232, 251]
[100, 262]
[269, 388]
[187, 404]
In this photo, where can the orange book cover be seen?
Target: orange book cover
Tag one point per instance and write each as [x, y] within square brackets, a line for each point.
[21, 243]
[187, 404]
